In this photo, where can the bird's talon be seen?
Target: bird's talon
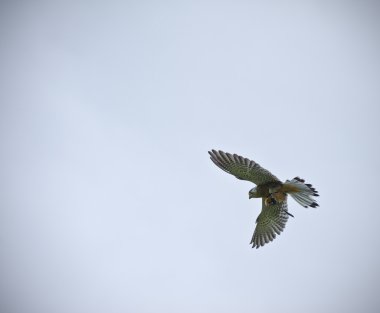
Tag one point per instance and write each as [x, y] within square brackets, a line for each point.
[270, 201]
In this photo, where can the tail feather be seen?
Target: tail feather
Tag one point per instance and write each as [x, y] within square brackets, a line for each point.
[301, 192]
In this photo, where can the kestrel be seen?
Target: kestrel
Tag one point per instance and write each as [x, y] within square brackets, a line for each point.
[274, 213]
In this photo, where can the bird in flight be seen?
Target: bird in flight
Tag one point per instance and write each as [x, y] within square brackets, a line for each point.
[274, 212]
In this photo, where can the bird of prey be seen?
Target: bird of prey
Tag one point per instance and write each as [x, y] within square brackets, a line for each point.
[274, 213]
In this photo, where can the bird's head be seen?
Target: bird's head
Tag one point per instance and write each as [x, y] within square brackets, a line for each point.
[253, 193]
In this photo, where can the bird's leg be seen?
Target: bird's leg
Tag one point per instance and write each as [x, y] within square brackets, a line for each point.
[270, 200]
[274, 198]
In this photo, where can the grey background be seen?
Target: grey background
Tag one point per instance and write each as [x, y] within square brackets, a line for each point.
[109, 202]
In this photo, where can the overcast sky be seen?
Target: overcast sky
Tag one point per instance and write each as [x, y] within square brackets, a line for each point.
[108, 199]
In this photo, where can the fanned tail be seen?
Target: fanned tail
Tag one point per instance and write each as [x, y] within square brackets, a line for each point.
[301, 192]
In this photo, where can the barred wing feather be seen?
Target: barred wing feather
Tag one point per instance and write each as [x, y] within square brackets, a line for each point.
[242, 168]
[269, 223]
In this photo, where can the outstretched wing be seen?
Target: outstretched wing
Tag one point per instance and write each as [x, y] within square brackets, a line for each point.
[270, 222]
[242, 168]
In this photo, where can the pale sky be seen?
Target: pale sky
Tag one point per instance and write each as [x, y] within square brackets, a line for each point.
[108, 199]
